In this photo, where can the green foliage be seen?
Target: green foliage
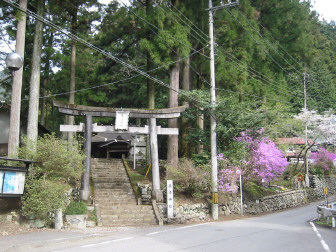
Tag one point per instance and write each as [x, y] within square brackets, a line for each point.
[254, 191]
[58, 167]
[55, 159]
[93, 216]
[42, 197]
[201, 159]
[189, 179]
[76, 207]
[316, 170]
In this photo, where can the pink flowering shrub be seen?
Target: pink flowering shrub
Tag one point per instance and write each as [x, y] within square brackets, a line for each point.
[228, 179]
[264, 162]
[322, 160]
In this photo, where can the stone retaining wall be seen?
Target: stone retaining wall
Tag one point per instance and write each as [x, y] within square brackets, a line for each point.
[230, 204]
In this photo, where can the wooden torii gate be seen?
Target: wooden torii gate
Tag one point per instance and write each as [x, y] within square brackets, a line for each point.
[153, 130]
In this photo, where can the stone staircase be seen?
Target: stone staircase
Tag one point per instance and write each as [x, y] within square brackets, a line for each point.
[115, 197]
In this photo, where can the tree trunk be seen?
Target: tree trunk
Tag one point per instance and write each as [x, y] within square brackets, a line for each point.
[172, 152]
[150, 83]
[14, 129]
[43, 103]
[185, 150]
[45, 83]
[71, 119]
[34, 93]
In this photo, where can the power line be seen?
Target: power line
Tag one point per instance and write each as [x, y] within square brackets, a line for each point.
[251, 70]
[251, 95]
[204, 36]
[266, 41]
[277, 63]
[157, 28]
[115, 82]
[84, 42]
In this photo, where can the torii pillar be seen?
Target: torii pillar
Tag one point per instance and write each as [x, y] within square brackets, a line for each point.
[84, 192]
[157, 192]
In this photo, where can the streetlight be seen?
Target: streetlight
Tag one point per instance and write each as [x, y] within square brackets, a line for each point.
[13, 62]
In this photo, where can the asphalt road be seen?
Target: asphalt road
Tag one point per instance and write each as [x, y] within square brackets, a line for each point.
[290, 230]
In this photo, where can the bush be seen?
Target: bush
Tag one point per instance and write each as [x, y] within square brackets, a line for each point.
[55, 158]
[189, 179]
[59, 167]
[76, 207]
[43, 196]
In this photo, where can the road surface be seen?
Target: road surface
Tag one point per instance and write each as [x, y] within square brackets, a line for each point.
[290, 230]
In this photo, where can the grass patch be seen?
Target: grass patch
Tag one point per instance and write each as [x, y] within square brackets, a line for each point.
[324, 222]
[254, 191]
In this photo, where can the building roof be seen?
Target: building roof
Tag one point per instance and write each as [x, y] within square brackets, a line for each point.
[294, 140]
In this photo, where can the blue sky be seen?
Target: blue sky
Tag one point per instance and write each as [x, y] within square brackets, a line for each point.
[326, 8]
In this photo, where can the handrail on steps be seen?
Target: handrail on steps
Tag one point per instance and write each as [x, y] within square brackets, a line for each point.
[138, 195]
[134, 186]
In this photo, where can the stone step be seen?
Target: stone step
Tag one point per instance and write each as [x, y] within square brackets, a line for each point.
[97, 183]
[102, 179]
[126, 206]
[117, 185]
[113, 193]
[117, 222]
[112, 197]
[115, 202]
[110, 201]
[132, 217]
[137, 213]
[115, 196]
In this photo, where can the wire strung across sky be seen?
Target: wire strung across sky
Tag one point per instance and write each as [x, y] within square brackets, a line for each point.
[95, 48]
[109, 55]
[238, 64]
[232, 59]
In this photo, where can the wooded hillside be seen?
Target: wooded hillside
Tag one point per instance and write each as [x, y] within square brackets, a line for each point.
[265, 50]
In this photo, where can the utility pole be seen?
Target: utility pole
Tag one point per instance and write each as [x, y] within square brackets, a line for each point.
[306, 129]
[213, 124]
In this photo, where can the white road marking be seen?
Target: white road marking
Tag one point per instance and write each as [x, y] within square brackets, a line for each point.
[172, 229]
[106, 242]
[324, 244]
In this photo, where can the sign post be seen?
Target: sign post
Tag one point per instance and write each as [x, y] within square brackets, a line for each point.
[239, 172]
[170, 199]
[325, 191]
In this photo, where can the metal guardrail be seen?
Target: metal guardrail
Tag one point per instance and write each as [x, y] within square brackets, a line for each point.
[327, 211]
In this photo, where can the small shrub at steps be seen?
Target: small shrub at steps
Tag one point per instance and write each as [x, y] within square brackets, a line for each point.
[189, 179]
[42, 197]
[76, 207]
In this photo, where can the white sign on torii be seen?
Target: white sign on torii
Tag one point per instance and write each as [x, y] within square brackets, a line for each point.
[121, 122]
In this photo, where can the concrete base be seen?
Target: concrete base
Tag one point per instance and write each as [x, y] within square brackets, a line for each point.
[76, 220]
[214, 211]
[157, 195]
[58, 219]
[84, 194]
